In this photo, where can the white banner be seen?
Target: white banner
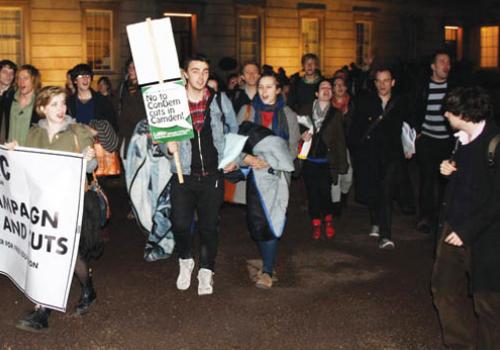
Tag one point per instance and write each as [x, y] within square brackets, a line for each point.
[41, 206]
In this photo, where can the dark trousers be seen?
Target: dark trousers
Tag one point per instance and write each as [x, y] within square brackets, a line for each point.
[318, 182]
[430, 153]
[381, 207]
[404, 192]
[203, 194]
[452, 299]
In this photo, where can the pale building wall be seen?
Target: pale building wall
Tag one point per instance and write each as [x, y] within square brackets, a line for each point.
[56, 40]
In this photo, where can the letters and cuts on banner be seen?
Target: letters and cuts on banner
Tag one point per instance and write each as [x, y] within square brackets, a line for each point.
[41, 206]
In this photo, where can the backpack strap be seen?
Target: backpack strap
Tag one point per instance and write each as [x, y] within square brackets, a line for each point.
[218, 99]
[492, 146]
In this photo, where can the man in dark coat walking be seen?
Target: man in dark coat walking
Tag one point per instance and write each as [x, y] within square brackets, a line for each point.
[377, 152]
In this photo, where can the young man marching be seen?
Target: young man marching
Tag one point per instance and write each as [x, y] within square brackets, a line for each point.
[250, 73]
[470, 242]
[434, 139]
[303, 88]
[203, 188]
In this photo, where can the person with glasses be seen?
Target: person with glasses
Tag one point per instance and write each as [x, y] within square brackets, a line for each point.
[86, 104]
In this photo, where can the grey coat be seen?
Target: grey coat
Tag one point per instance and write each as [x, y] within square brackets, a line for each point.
[217, 116]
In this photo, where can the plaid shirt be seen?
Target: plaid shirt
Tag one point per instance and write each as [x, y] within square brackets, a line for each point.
[197, 110]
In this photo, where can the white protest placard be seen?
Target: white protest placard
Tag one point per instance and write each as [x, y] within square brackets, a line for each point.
[155, 57]
[168, 112]
[148, 55]
[41, 206]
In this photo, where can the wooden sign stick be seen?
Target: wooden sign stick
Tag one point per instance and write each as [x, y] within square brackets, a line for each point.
[161, 79]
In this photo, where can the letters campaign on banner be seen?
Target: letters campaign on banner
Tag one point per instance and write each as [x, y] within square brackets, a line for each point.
[41, 206]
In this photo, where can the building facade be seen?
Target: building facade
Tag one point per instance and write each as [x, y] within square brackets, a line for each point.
[54, 35]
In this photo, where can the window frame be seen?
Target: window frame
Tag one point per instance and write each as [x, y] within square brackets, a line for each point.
[23, 6]
[497, 66]
[256, 12]
[258, 55]
[318, 14]
[370, 24]
[112, 7]
[459, 54]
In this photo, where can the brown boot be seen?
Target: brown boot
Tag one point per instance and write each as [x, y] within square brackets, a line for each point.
[264, 281]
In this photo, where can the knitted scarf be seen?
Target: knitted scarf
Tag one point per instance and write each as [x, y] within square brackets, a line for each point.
[343, 104]
[318, 115]
[279, 125]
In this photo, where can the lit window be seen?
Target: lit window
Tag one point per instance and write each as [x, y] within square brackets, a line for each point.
[310, 33]
[453, 41]
[489, 47]
[11, 34]
[99, 30]
[363, 41]
[249, 43]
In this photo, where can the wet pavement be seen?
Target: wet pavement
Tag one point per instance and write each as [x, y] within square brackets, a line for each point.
[342, 293]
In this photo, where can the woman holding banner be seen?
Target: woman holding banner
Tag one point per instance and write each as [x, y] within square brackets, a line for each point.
[58, 131]
[268, 109]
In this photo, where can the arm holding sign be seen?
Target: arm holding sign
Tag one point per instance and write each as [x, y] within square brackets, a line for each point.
[11, 145]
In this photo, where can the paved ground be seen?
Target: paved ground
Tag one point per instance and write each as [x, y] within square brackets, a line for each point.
[343, 293]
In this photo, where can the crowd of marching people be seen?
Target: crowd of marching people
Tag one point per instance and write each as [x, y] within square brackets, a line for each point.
[352, 127]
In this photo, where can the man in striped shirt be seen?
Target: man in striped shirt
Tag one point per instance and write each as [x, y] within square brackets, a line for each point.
[434, 139]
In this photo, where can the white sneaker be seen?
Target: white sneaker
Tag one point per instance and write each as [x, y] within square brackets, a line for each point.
[186, 267]
[205, 282]
[374, 231]
[386, 243]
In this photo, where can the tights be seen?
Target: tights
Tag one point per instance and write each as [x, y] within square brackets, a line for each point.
[82, 269]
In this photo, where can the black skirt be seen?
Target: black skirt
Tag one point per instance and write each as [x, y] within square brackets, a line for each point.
[91, 244]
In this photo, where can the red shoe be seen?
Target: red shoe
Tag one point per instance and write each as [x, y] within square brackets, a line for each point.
[329, 229]
[316, 224]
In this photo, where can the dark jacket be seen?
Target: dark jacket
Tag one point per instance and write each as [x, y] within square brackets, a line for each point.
[418, 100]
[131, 110]
[372, 152]
[240, 99]
[472, 208]
[103, 108]
[332, 136]
[6, 105]
[301, 93]
[385, 138]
